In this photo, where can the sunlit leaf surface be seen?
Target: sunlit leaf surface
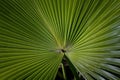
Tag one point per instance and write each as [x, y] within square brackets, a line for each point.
[32, 32]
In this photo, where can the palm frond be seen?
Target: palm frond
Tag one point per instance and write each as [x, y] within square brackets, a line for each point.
[32, 33]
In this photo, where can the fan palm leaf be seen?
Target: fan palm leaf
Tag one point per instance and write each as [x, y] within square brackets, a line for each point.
[35, 35]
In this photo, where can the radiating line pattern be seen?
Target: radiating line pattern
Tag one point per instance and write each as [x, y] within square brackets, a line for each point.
[31, 32]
